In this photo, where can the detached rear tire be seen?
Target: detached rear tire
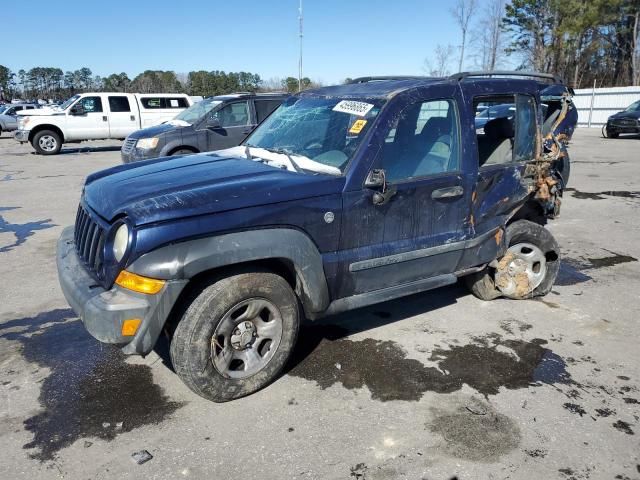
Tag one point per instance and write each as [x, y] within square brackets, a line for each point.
[236, 336]
[538, 253]
[47, 142]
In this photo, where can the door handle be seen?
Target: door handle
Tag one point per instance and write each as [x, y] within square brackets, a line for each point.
[133, 118]
[447, 192]
[104, 118]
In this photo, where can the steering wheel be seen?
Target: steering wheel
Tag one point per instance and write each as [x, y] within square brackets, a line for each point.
[313, 144]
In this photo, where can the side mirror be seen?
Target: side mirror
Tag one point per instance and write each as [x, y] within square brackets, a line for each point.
[213, 124]
[377, 180]
[77, 109]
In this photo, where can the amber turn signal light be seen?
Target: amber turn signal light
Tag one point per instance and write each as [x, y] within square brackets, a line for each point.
[130, 327]
[138, 283]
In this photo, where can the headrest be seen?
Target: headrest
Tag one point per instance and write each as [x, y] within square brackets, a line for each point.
[499, 128]
[439, 124]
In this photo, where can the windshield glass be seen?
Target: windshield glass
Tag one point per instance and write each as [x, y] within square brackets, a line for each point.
[3, 108]
[69, 102]
[325, 131]
[634, 107]
[197, 110]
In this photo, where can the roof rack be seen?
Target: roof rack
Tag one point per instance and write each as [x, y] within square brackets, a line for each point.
[388, 77]
[506, 73]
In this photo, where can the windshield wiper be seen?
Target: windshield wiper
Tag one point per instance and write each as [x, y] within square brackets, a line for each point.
[287, 153]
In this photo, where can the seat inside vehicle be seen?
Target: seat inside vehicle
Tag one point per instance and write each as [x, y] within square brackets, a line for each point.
[495, 147]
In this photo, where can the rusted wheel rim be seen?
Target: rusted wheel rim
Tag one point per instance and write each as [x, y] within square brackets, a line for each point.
[521, 270]
[246, 338]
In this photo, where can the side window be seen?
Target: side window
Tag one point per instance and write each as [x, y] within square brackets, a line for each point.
[151, 103]
[506, 129]
[119, 104]
[233, 115]
[175, 103]
[12, 111]
[92, 104]
[264, 108]
[526, 128]
[29, 107]
[423, 140]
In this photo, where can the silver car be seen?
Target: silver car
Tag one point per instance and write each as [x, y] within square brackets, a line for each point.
[8, 116]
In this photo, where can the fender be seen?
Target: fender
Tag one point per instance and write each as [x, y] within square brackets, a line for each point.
[187, 259]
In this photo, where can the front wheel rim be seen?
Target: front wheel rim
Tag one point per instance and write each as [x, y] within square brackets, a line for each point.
[47, 143]
[521, 270]
[246, 338]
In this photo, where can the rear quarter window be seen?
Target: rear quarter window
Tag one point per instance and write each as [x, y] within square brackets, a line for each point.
[152, 103]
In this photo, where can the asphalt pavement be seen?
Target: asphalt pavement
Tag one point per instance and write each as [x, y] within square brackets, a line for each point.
[437, 385]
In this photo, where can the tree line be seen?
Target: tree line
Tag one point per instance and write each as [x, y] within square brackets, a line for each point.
[52, 83]
[582, 41]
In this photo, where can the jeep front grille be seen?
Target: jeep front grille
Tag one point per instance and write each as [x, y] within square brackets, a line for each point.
[89, 239]
[128, 145]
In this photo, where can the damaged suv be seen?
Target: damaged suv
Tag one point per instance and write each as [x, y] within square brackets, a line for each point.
[345, 196]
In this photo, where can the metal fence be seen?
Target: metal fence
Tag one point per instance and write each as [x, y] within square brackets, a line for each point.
[595, 105]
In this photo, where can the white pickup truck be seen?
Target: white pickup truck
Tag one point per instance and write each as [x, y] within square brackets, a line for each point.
[96, 116]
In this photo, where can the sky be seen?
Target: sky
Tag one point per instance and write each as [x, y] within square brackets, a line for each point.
[346, 38]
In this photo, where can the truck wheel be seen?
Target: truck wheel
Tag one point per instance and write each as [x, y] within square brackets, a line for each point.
[236, 336]
[528, 269]
[46, 142]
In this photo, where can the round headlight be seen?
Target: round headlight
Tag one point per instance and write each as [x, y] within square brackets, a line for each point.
[120, 242]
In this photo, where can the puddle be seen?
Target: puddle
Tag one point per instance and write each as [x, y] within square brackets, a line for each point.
[21, 231]
[324, 356]
[601, 195]
[91, 391]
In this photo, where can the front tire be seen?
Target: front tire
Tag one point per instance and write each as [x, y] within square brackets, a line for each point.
[528, 269]
[47, 142]
[236, 336]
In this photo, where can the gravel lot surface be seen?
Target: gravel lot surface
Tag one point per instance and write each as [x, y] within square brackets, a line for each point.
[435, 386]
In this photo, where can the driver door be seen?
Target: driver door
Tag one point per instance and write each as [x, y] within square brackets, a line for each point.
[234, 126]
[415, 233]
[93, 124]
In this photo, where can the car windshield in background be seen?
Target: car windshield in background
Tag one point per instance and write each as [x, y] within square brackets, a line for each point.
[634, 107]
[319, 130]
[3, 108]
[69, 102]
[197, 110]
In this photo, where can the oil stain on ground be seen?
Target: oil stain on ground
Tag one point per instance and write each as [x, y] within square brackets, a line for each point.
[91, 391]
[572, 271]
[487, 364]
[601, 195]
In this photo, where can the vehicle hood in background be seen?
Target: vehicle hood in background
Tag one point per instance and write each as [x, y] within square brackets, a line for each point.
[154, 131]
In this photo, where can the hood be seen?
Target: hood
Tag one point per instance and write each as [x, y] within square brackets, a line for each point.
[162, 190]
[153, 131]
[623, 114]
[41, 112]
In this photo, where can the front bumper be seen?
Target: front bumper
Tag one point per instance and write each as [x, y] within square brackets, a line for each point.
[103, 311]
[21, 135]
[619, 127]
[137, 155]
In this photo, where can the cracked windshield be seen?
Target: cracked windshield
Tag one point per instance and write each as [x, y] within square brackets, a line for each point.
[316, 134]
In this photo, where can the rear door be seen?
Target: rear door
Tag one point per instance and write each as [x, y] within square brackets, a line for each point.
[123, 118]
[234, 126]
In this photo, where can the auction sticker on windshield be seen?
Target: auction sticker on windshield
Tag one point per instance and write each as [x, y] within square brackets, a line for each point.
[357, 126]
[352, 107]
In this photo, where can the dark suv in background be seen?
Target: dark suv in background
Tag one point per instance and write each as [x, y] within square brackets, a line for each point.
[212, 124]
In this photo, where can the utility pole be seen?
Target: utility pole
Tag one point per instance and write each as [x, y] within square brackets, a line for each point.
[300, 60]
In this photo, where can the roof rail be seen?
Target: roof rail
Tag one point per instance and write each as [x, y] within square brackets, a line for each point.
[388, 77]
[505, 73]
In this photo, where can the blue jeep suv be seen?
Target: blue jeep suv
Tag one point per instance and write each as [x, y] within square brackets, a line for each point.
[345, 196]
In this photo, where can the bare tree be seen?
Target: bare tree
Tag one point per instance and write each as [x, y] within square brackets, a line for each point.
[463, 12]
[635, 65]
[439, 65]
